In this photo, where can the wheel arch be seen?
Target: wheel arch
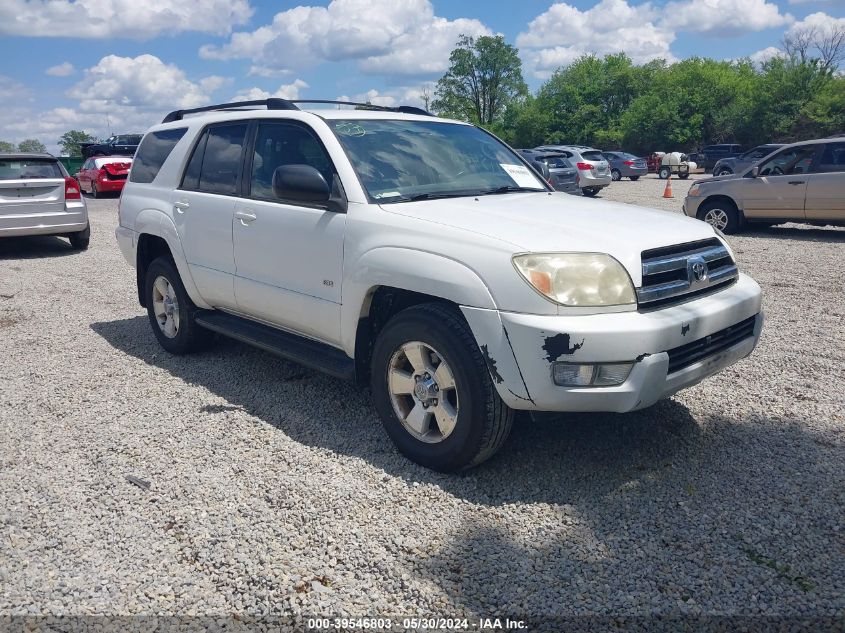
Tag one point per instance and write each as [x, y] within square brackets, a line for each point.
[157, 236]
[719, 197]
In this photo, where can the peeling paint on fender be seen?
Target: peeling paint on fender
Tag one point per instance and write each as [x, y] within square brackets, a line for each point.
[491, 365]
[558, 345]
[684, 329]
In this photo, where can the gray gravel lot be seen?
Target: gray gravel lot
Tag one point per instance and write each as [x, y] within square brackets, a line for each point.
[274, 489]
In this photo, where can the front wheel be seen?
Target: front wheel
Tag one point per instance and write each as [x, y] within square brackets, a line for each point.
[664, 173]
[634, 178]
[590, 191]
[722, 215]
[615, 175]
[724, 171]
[170, 310]
[683, 176]
[94, 192]
[433, 391]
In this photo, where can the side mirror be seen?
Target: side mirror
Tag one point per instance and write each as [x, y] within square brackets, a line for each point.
[304, 183]
[755, 171]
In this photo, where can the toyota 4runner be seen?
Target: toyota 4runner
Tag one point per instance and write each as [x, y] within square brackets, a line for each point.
[429, 260]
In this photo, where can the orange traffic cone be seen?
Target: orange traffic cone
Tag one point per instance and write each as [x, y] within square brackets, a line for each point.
[667, 192]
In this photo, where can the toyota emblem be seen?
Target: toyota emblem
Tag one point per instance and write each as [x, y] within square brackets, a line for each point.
[699, 269]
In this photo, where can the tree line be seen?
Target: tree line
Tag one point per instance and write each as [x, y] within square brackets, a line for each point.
[69, 142]
[611, 103]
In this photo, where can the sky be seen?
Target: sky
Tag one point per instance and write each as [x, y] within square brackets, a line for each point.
[117, 66]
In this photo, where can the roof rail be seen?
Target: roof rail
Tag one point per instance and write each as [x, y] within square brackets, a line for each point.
[275, 103]
[271, 104]
[404, 109]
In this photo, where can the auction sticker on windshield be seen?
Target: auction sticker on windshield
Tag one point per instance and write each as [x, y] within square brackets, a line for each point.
[520, 174]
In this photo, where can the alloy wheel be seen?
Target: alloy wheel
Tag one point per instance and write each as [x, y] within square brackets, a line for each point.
[423, 392]
[166, 307]
[716, 218]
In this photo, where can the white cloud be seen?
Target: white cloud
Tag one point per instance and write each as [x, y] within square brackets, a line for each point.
[820, 21]
[120, 18]
[405, 95]
[723, 17]
[563, 33]
[397, 37]
[118, 94]
[644, 31]
[61, 70]
[285, 91]
[143, 81]
[764, 55]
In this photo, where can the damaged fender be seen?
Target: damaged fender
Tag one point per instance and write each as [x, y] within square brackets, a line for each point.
[492, 338]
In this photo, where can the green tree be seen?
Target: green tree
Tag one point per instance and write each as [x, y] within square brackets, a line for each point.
[70, 140]
[6, 146]
[31, 145]
[586, 99]
[484, 78]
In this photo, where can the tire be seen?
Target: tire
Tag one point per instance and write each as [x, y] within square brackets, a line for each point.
[723, 171]
[664, 173]
[722, 215]
[634, 178]
[440, 336]
[94, 192]
[683, 176]
[590, 191]
[80, 241]
[615, 175]
[184, 335]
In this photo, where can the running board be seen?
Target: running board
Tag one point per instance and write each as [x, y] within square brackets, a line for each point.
[306, 352]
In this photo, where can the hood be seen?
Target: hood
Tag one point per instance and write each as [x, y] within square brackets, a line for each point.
[558, 222]
[704, 181]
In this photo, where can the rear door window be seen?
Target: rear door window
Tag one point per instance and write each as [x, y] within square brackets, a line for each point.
[29, 168]
[154, 150]
[215, 165]
[832, 158]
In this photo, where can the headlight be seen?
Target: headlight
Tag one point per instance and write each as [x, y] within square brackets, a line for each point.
[694, 191]
[577, 279]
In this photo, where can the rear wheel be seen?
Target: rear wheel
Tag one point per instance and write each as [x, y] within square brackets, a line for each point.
[81, 240]
[722, 215]
[683, 176]
[170, 310]
[590, 191]
[615, 175]
[635, 178]
[433, 392]
[664, 173]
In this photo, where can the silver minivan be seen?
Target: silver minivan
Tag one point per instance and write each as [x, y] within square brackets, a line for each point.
[593, 169]
[39, 197]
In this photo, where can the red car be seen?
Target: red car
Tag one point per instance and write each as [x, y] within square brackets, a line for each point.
[104, 175]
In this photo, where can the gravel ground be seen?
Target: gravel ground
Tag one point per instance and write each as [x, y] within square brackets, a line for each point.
[273, 489]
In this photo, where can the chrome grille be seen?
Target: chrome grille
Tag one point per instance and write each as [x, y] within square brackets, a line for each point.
[674, 274]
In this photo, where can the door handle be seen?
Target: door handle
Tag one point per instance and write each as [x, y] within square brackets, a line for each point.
[181, 206]
[797, 182]
[246, 217]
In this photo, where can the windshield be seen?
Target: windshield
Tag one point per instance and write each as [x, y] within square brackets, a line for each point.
[400, 160]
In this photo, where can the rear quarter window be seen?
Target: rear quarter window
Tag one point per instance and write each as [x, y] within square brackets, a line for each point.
[153, 151]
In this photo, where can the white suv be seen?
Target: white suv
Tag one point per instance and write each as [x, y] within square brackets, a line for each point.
[426, 258]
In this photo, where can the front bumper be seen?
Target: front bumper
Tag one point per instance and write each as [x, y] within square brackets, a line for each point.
[522, 356]
[690, 206]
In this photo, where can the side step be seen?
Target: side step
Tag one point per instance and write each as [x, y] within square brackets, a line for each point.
[306, 352]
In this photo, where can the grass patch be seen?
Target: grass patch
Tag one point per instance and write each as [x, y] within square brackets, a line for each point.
[783, 571]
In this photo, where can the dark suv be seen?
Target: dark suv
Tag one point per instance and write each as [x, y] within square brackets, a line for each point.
[708, 156]
[119, 145]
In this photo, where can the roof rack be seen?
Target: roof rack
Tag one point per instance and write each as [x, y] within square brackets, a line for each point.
[275, 103]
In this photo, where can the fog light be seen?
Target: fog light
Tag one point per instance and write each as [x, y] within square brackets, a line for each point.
[589, 375]
[572, 375]
[615, 374]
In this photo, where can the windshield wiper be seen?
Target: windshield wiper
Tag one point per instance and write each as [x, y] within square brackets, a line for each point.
[508, 189]
[442, 194]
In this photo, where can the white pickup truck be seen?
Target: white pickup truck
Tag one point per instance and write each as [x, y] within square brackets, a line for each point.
[427, 259]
